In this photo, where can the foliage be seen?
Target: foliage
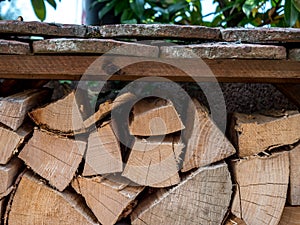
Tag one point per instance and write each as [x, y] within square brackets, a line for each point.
[228, 13]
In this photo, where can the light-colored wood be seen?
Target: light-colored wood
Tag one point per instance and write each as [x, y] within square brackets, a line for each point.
[35, 203]
[154, 162]
[14, 108]
[104, 110]
[206, 143]
[53, 157]
[63, 116]
[294, 188]
[8, 174]
[223, 70]
[233, 220]
[103, 153]
[10, 141]
[109, 201]
[202, 198]
[290, 216]
[256, 133]
[262, 184]
[154, 116]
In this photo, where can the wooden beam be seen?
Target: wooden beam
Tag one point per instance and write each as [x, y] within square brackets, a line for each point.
[292, 91]
[73, 67]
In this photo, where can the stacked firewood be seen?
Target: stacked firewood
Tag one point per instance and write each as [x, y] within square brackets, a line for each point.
[62, 165]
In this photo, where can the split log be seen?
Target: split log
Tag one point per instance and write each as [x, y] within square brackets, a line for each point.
[10, 141]
[109, 201]
[206, 143]
[103, 153]
[202, 198]
[14, 108]
[233, 220]
[63, 115]
[154, 162]
[262, 184]
[294, 188]
[290, 216]
[53, 157]
[256, 133]
[2, 209]
[8, 174]
[154, 116]
[35, 203]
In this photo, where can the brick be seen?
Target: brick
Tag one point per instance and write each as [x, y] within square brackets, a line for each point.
[14, 47]
[294, 54]
[256, 35]
[41, 29]
[224, 50]
[94, 46]
[154, 31]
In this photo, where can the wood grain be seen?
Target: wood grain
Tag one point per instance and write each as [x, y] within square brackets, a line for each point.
[222, 70]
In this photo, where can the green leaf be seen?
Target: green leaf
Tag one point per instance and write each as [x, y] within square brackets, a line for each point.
[249, 5]
[132, 21]
[94, 3]
[52, 3]
[106, 9]
[296, 4]
[39, 9]
[137, 7]
[290, 13]
[177, 7]
[121, 7]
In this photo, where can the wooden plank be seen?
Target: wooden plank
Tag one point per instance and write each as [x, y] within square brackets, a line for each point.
[53, 157]
[292, 91]
[110, 201]
[35, 203]
[256, 133]
[294, 189]
[14, 47]
[224, 70]
[290, 216]
[203, 197]
[262, 184]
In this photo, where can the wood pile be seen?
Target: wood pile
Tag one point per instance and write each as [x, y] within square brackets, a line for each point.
[63, 162]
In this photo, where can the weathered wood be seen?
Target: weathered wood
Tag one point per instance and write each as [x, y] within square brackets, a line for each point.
[8, 174]
[35, 203]
[202, 198]
[94, 46]
[103, 153]
[154, 162]
[14, 47]
[233, 220]
[261, 34]
[53, 157]
[290, 216]
[41, 29]
[104, 110]
[2, 209]
[224, 70]
[262, 184]
[292, 91]
[154, 116]
[10, 141]
[63, 115]
[294, 188]
[294, 54]
[224, 51]
[109, 201]
[154, 31]
[14, 108]
[256, 133]
[206, 143]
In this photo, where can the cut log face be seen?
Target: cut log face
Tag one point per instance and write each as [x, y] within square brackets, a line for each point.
[63, 115]
[202, 198]
[154, 116]
[109, 201]
[103, 153]
[154, 162]
[261, 188]
[8, 174]
[35, 203]
[14, 108]
[257, 133]
[290, 216]
[10, 141]
[206, 143]
[294, 189]
[54, 158]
